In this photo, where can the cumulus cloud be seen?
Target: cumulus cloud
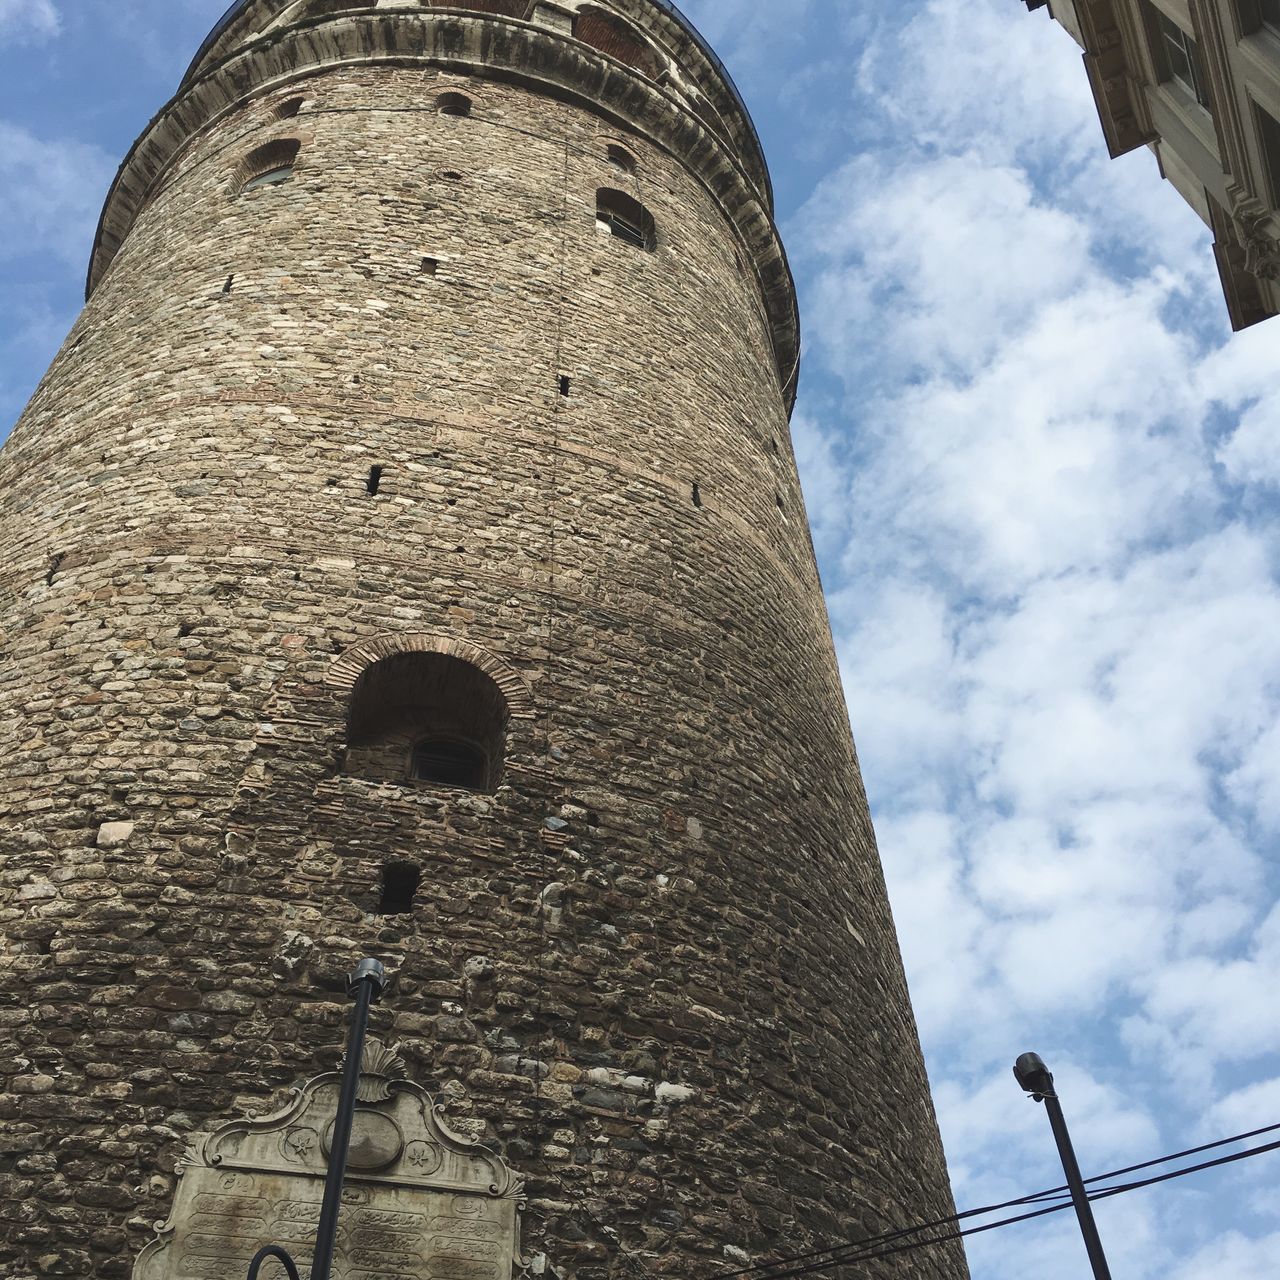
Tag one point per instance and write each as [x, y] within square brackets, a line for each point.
[51, 191]
[1040, 483]
[23, 21]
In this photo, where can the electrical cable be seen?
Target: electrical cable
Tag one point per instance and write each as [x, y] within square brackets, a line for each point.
[765, 1271]
[846, 1259]
[1105, 1193]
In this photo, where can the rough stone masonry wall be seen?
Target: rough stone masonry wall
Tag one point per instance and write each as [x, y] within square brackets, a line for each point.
[656, 967]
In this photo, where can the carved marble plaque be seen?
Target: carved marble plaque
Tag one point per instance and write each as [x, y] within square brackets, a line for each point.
[421, 1202]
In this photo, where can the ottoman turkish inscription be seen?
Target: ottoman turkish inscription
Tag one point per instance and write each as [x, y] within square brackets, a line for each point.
[421, 1202]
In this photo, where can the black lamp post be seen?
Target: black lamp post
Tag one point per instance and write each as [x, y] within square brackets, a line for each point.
[367, 984]
[1037, 1080]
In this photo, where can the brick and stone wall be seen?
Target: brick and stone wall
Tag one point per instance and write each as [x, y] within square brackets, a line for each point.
[655, 966]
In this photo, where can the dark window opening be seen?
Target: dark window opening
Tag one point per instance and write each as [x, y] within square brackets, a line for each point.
[453, 104]
[400, 881]
[374, 481]
[1269, 132]
[564, 384]
[429, 718]
[55, 564]
[450, 763]
[777, 497]
[430, 266]
[226, 288]
[1254, 14]
[288, 109]
[626, 218]
[697, 495]
[269, 165]
[451, 174]
[620, 158]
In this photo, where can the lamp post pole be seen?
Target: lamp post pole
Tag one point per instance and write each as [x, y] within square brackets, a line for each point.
[1037, 1080]
[367, 984]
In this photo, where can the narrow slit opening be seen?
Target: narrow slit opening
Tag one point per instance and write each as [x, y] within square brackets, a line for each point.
[697, 495]
[564, 384]
[226, 288]
[400, 881]
[374, 482]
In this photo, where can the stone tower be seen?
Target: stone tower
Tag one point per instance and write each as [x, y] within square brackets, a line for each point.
[404, 556]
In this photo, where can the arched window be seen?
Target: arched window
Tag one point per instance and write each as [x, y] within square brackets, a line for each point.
[289, 108]
[611, 35]
[428, 718]
[626, 218]
[269, 164]
[453, 104]
[620, 158]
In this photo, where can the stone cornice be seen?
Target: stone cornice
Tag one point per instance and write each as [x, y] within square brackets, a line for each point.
[659, 20]
[501, 48]
[1109, 64]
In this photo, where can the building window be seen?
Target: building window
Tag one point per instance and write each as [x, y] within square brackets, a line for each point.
[269, 165]
[1269, 133]
[453, 104]
[620, 158]
[427, 718]
[288, 109]
[449, 762]
[400, 881]
[1177, 55]
[1254, 14]
[626, 218]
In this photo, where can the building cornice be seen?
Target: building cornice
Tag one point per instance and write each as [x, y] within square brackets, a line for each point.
[483, 46]
[1110, 65]
[661, 18]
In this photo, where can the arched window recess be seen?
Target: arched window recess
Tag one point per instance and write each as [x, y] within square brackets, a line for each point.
[453, 104]
[268, 165]
[626, 218]
[427, 718]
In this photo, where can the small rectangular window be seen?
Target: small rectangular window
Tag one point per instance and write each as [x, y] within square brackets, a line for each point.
[1178, 56]
[1269, 133]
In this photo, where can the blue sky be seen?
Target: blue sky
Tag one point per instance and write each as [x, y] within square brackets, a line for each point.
[1042, 476]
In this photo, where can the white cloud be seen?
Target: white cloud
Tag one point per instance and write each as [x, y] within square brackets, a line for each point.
[28, 20]
[1233, 1257]
[1058, 616]
[51, 192]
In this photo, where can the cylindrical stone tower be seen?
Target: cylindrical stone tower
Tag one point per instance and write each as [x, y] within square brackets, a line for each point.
[404, 556]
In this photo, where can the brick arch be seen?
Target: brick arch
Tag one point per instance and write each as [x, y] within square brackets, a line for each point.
[348, 667]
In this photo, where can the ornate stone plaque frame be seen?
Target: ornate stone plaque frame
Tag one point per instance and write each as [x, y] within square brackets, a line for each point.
[421, 1202]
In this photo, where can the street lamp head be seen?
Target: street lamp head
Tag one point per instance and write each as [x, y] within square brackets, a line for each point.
[1034, 1076]
[372, 972]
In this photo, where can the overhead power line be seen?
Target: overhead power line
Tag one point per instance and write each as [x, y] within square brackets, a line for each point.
[877, 1251]
[893, 1242]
